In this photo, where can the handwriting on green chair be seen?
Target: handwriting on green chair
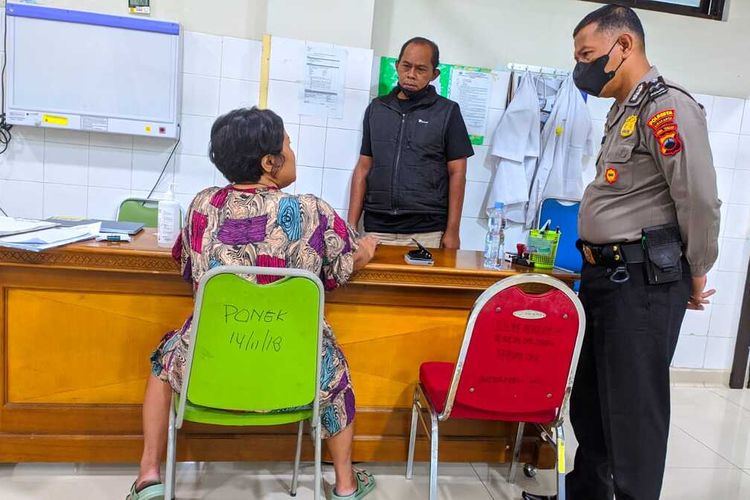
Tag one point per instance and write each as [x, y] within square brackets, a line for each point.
[249, 342]
[241, 315]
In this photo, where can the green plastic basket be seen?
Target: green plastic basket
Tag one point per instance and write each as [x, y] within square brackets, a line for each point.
[545, 248]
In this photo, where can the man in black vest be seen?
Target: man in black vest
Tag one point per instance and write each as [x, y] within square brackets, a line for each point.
[411, 173]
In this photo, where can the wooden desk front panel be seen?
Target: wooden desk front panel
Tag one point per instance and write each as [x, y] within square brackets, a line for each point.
[80, 332]
[75, 346]
[386, 344]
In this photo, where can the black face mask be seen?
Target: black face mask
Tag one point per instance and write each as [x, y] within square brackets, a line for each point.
[591, 77]
[414, 95]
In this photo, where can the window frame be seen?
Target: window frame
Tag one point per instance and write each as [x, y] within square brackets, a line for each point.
[708, 9]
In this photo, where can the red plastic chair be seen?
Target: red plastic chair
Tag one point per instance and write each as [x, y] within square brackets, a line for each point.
[516, 364]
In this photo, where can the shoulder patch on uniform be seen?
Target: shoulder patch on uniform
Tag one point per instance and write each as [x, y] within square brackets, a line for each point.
[669, 128]
[670, 144]
[638, 92]
[665, 128]
[661, 118]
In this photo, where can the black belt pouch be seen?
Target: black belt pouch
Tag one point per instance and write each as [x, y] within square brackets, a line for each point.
[663, 248]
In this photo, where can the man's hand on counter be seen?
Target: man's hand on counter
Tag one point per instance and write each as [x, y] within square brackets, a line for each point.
[451, 240]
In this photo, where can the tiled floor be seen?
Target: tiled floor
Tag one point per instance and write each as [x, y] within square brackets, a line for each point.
[709, 458]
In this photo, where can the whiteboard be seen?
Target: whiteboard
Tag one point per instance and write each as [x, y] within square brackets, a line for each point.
[85, 71]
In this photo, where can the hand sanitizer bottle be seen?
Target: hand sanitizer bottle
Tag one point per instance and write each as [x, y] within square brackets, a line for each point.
[168, 219]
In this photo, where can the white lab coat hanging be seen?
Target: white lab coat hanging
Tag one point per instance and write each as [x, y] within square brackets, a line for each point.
[516, 143]
[566, 142]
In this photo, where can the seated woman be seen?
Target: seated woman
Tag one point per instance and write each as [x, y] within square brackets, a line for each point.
[251, 222]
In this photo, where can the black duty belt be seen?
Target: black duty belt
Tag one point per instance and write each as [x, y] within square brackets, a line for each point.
[612, 255]
[615, 255]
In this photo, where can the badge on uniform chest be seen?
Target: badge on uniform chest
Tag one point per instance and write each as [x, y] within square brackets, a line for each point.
[611, 175]
[628, 128]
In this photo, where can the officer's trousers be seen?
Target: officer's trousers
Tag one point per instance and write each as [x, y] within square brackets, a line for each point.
[620, 405]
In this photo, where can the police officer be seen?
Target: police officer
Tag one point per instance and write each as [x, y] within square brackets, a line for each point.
[649, 226]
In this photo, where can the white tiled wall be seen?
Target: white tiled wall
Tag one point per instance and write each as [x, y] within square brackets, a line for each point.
[57, 172]
[327, 149]
[708, 337]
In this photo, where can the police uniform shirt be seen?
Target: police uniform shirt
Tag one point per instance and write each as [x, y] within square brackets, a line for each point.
[655, 167]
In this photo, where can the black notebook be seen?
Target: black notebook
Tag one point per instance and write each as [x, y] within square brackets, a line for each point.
[108, 226]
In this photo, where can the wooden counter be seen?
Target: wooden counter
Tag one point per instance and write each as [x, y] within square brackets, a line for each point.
[77, 325]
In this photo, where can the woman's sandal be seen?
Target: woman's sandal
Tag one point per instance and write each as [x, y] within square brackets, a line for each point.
[153, 491]
[365, 484]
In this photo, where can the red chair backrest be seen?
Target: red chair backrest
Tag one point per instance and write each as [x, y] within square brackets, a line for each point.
[520, 353]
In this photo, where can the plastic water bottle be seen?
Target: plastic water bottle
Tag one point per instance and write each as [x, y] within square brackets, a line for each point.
[494, 242]
[168, 219]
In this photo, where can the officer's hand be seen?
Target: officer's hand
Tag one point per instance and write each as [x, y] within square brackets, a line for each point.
[450, 240]
[698, 298]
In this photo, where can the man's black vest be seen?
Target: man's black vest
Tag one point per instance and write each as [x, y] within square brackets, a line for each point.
[409, 173]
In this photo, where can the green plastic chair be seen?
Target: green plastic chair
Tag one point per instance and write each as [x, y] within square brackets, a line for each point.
[140, 210]
[255, 349]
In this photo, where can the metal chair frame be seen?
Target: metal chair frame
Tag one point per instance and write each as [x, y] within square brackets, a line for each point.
[556, 436]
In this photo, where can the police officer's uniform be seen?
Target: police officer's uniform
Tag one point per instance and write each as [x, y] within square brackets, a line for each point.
[655, 169]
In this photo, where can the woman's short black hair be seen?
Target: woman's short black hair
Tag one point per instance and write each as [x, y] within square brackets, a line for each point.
[241, 138]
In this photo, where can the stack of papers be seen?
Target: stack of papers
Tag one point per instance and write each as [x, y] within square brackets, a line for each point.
[37, 241]
[13, 225]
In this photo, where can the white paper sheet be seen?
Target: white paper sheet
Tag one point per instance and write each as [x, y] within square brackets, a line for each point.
[13, 225]
[325, 73]
[471, 90]
[45, 239]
